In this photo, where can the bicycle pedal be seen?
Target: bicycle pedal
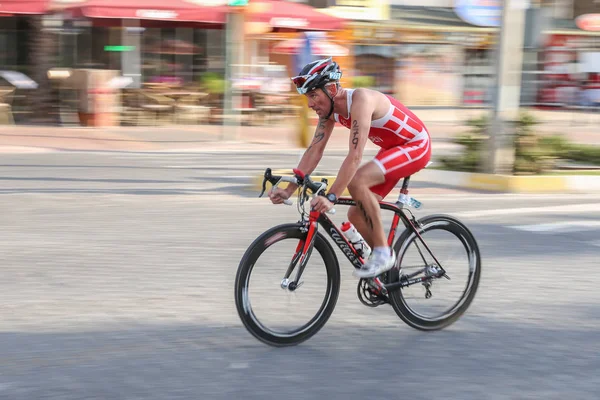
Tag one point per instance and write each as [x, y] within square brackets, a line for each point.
[378, 286]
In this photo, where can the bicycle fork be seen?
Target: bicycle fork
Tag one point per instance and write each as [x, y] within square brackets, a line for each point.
[302, 254]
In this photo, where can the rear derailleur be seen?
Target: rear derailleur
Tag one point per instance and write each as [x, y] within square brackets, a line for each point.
[370, 291]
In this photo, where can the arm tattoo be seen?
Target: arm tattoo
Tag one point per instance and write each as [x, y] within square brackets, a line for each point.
[322, 123]
[368, 219]
[355, 133]
[319, 134]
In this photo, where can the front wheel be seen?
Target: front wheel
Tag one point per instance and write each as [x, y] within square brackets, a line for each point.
[275, 312]
[436, 302]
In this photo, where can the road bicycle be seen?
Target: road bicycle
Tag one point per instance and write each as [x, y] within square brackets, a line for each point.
[416, 267]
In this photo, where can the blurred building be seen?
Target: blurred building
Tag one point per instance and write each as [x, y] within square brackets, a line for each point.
[440, 53]
[431, 56]
[564, 66]
[433, 53]
[419, 51]
[176, 38]
[149, 42]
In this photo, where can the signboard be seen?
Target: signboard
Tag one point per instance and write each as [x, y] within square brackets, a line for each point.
[383, 34]
[119, 48]
[283, 22]
[479, 12]
[359, 10]
[156, 14]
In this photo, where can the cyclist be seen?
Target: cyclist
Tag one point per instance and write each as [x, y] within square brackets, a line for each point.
[369, 114]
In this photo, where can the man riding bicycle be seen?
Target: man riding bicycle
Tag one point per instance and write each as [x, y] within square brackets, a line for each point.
[369, 114]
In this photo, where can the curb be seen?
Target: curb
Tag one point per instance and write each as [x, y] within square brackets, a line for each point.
[514, 184]
[478, 181]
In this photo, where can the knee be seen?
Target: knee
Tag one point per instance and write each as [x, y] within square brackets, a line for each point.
[356, 183]
[354, 215]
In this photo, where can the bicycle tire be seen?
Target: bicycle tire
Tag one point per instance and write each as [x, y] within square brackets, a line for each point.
[252, 254]
[454, 226]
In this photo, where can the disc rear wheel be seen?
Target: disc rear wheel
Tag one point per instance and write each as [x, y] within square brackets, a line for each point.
[436, 302]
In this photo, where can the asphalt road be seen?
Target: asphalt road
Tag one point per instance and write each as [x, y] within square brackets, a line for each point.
[117, 283]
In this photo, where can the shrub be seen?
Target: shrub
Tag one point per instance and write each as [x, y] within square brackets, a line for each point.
[213, 82]
[533, 154]
[583, 153]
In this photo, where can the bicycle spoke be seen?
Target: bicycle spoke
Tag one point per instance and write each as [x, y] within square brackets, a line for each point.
[285, 312]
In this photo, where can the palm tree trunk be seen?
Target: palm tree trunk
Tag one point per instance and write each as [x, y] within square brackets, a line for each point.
[43, 50]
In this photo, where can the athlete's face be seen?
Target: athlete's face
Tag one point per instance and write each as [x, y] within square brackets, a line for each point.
[319, 102]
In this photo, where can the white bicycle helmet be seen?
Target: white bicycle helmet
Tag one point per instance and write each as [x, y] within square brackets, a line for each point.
[316, 75]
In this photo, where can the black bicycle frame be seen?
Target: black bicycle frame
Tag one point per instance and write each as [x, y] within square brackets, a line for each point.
[350, 252]
[345, 246]
[305, 247]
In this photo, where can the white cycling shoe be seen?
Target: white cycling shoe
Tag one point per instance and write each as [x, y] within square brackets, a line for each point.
[376, 265]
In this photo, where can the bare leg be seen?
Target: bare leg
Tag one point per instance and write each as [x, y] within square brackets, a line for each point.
[367, 206]
[356, 217]
[368, 222]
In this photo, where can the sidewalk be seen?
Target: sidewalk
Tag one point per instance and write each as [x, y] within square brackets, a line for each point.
[443, 124]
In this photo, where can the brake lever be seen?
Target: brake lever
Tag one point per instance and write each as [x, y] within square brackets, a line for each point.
[264, 187]
[267, 176]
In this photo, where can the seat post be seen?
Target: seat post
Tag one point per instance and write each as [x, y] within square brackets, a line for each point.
[404, 189]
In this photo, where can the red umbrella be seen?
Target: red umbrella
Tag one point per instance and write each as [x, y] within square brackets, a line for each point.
[319, 47]
[284, 14]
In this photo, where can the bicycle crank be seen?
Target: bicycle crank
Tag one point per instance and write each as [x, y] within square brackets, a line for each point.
[370, 294]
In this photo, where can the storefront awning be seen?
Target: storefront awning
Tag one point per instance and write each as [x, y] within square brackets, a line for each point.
[288, 15]
[162, 10]
[12, 7]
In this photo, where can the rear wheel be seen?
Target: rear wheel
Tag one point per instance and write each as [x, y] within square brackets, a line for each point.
[279, 315]
[437, 302]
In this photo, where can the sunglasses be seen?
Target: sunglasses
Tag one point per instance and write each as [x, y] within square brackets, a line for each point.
[299, 82]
